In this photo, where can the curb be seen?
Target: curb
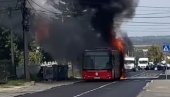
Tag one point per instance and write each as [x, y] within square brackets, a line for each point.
[17, 92]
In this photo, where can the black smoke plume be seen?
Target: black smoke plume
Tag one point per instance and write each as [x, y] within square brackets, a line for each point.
[107, 13]
[82, 24]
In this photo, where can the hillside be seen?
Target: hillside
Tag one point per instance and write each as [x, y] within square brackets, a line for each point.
[149, 40]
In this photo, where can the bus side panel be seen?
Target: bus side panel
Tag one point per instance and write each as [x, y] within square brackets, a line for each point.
[116, 63]
[113, 74]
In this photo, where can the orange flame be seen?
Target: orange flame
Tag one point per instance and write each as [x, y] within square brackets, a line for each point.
[120, 46]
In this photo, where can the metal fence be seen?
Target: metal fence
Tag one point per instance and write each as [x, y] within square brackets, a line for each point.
[32, 69]
[5, 70]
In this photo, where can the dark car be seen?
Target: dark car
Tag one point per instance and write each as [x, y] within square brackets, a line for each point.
[150, 67]
[161, 66]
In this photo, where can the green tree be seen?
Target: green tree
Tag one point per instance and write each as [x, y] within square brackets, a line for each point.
[35, 57]
[35, 54]
[5, 47]
[155, 54]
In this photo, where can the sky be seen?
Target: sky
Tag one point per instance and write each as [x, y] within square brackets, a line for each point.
[152, 18]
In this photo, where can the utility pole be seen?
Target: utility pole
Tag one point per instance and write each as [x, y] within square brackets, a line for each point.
[25, 25]
[12, 44]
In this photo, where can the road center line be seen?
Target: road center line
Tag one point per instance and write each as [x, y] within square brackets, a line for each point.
[93, 89]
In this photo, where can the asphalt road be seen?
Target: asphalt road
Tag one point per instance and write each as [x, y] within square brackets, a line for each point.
[126, 88]
[144, 74]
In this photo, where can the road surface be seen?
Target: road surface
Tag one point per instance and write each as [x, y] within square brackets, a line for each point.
[126, 88]
[144, 74]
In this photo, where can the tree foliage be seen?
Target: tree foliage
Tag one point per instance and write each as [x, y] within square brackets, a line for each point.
[4, 44]
[155, 54]
[35, 54]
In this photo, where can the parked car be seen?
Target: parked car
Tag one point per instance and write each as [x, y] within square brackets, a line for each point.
[161, 66]
[151, 67]
[168, 66]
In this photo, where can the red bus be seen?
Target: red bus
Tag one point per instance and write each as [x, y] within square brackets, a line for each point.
[103, 64]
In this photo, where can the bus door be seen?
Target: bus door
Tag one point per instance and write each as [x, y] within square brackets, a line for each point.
[116, 64]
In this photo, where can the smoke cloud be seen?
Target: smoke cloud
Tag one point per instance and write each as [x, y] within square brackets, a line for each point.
[75, 25]
[109, 15]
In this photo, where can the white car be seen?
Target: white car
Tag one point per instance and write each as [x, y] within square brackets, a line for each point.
[129, 63]
[143, 63]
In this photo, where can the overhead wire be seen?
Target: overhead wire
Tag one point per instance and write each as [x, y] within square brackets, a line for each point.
[43, 7]
[6, 0]
[155, 7]
[153, 13]
[147, 25]
[153, 17]
[42, 12]
[148, 30]
[45, 11]
[137, 22]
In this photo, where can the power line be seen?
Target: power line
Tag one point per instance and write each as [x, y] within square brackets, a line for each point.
[152, 13]
[134, 17]
[155, 28]
[43, 7]
[101, 2]
[146, 25]
[32, 8]
[148, 30]
[42, 12]
[155, 7]
[6, 0]
[98, 2]
[146, 22]
[4, 9]
[147, 10]
[154, 17]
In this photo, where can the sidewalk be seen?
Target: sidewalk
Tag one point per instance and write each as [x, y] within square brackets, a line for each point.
[32, 88]
[156, 88]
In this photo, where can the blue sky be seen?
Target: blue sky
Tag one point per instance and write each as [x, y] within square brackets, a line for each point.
[143, 24]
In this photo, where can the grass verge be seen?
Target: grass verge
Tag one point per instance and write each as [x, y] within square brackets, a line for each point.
[12, 83]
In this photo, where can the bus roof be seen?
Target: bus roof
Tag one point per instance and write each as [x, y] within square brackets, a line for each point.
[101, 49]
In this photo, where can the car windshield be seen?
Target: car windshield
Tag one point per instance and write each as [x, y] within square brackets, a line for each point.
[129, 62]
[143, 62]
[97, 61]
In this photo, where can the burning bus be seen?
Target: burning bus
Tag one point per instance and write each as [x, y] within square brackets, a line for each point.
[101, 64]
[104, 64]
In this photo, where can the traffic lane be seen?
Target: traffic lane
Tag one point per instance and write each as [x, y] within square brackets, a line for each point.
[67, 90]
[74, 89]
[128, 88]
[133, 73]
[144, 73]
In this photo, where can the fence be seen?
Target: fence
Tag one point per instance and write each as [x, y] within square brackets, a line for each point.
[7, 70]
[37, 72]
[32, 69]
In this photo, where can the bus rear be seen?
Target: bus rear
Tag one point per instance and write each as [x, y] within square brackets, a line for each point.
[98, 64]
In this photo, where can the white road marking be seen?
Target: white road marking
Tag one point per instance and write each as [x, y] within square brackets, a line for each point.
[93, 89]
[147, 85]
